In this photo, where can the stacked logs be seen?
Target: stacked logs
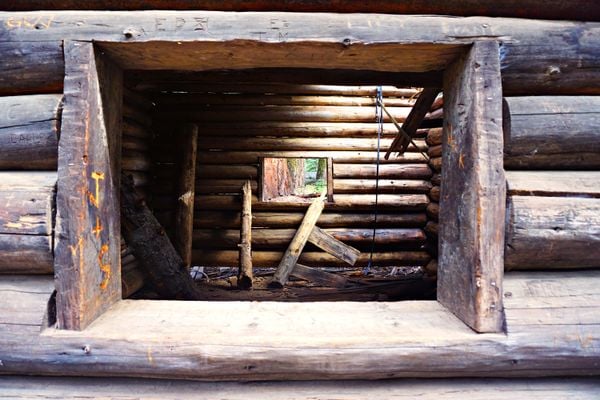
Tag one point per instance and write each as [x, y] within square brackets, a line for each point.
[135, 162]
[434, 141]
[236, 130]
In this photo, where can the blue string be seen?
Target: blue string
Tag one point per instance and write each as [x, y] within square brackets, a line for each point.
[379, 119]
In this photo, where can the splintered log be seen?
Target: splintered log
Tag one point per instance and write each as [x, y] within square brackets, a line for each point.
[318, 276]
[184, 212]
[552, 232]
[291, 255]
[333, 246]
[552, 132]
[153, 250]
[413, 121]
[245, 274]
[29, 131]
[206, 219]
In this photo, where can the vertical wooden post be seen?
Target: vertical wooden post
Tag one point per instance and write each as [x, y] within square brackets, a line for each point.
[245, 275]
[473, 193]
[87, 253]
[184, 215]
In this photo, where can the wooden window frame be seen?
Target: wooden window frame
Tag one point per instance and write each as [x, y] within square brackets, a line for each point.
[87, 256]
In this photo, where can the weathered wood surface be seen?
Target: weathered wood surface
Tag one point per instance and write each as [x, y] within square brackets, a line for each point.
[28, 67]
[386, 171]
[539, 56]
[552, 132]
[271, 259]
[552, 233]
[224, 219]
[292, 254]
[152, 248]
[29, 131]
[554, 183]
[25, 254]
[383, 186]
[315, 275]
[274, 238]
[184, 213]
[245, 274]
[552, 330]
[19, 387]
[328, 243]
[87, 251]
[473, 196]
[583, 10]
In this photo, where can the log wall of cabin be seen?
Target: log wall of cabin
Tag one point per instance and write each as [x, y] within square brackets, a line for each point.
[240, 127]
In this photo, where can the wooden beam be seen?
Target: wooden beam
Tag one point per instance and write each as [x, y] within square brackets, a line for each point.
[554, 183]
[333, 246]
[184, 213]
[318, 276]
[245, 274]
[291, 255]
[472, 203]
[87, 253]
[413, 121]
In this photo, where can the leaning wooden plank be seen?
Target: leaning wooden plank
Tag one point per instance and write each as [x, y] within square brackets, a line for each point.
[546, 132]
[472, 203]
[554, 183]
[413, 121]
[318, 276]
[29, 131]
[245, 274]
[291, 255]
[333, 246]
[552, 232]
[153, 249]
[184, 213]
[31, 66]
[87, 252]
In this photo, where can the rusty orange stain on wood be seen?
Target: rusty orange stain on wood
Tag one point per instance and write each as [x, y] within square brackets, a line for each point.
[461, 161]
[75, 249]
[98, 228]
[95, 198]
[105, 268]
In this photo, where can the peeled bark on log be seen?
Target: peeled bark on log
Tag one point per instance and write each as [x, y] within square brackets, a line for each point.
[29, 131]
[152, 248]
[552, 232]
[552, 132]
[223, 220]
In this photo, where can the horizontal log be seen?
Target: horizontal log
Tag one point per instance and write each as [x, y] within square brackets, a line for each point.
[398, 171]
[278, 113]
[29, 67]
[436, 163]
[299, 144]
[436, 179]
[431, 229]
[137, 100]
[26, 254]
[434, 136]
[280, 238]
[243, 99]
[554, 183]
[298, 129]
[552, 232]
[29, 131]
[380, 186]
[215, 186]
[552, 132]
[135, 144]
[435, 151]
[434, 193]
[26, 211]
[216, 219]
[135, 161]
[132, 128]
[270, 259]
[140, 116]
[579, 10]
[433, 211]
[346, 157]
[226, 171]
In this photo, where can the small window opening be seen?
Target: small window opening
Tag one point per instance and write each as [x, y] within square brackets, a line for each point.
[294, 179]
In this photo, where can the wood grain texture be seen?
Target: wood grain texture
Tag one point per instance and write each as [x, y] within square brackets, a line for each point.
[87, 252]
[554, 183]
[328, 243]
[539, 57]
[473, 196]
[552, 132]
[29, 131]
[552, 233]
[245, 274]
[422, 339]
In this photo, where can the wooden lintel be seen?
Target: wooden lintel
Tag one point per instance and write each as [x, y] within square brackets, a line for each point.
[331, 245]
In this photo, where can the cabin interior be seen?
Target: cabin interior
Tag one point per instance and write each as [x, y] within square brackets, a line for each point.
[359, 205]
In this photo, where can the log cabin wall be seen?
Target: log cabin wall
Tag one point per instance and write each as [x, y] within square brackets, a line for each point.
[238, 125]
